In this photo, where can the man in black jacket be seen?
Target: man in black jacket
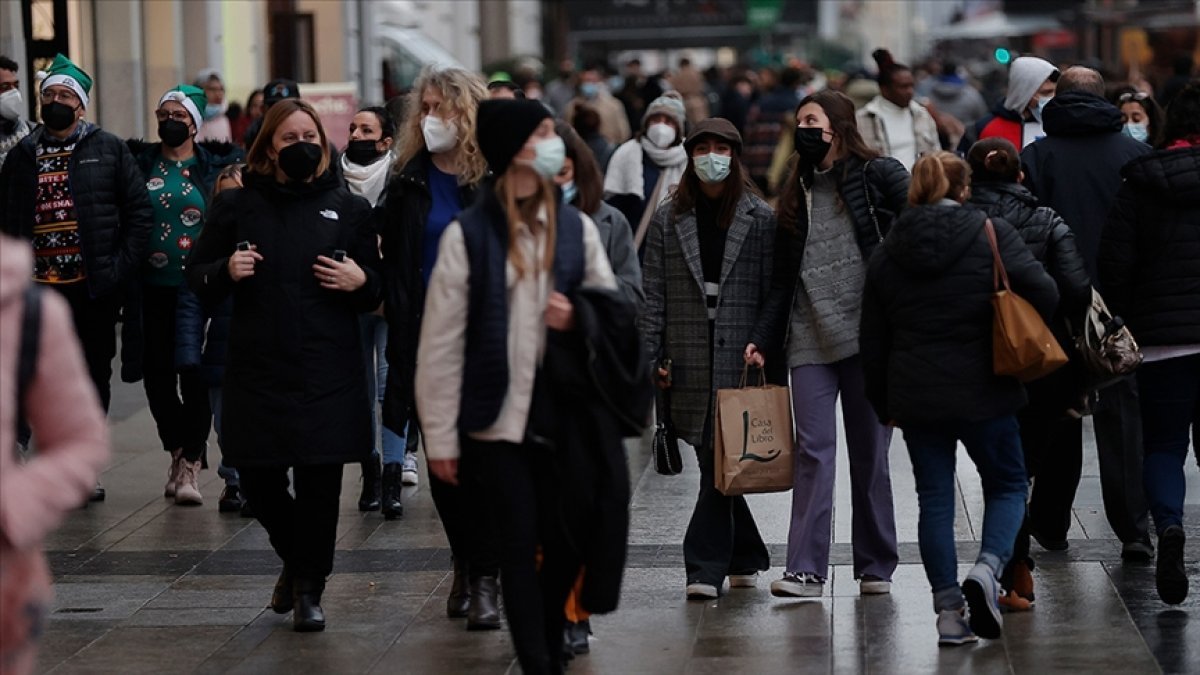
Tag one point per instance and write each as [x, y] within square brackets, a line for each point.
[76, 192]
[1076, 170]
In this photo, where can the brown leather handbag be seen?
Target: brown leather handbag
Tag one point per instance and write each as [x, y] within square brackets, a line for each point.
[1022, 346]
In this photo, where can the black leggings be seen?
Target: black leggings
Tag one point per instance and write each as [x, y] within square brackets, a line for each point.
[302, 529]
[178, 401]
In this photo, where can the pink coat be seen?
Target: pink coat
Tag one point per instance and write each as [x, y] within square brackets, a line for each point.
[71, 441]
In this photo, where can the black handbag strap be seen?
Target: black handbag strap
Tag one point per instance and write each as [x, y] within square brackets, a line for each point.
[27, 357]
[870, 202]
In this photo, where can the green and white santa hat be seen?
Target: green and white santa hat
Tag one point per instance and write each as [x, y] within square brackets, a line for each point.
[65, 73]
[191, 98]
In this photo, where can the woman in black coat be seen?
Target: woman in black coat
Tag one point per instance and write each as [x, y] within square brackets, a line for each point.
[1150, 268]
[297, 252]
[1051, 437]
[926, 346]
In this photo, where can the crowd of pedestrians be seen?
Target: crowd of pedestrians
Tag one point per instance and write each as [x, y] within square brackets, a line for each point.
[502, 283]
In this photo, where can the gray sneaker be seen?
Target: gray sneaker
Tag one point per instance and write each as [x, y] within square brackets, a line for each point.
[983, 598]
[953, 628]
[408, 475]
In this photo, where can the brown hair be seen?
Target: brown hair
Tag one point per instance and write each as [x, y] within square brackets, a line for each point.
[258, 161]
[230, 172]
[842, 122]
[737, 184]
[994, 159]
[588, 179]
[527, 212]
[936, 177]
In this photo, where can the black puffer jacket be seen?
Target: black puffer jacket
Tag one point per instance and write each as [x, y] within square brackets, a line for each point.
[926, 339]
[115, 217]
[295, 390]
[1150, 253]
[1076, 168]
[401, 222]
[888, 181]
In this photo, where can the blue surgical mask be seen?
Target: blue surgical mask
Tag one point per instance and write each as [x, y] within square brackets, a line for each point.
[712, 168]
[589, 89]
[569, 191]
[1138, 132]
[1041, 107]
[549, 156]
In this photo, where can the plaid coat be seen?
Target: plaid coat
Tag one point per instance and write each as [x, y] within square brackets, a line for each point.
[674, 319]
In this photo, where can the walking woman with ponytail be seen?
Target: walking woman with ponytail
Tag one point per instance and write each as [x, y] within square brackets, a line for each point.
[927, 357]
[497, 297]
[835, 208]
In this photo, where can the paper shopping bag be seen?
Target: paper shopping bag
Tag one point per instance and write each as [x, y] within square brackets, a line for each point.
[753, 439]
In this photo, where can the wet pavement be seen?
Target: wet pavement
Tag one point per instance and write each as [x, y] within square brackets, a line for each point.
[148, 587]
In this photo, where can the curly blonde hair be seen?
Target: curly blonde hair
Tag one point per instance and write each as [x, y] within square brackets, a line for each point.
[462, 91]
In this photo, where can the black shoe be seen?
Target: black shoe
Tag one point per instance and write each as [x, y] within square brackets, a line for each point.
[484, 613]
[247, 511]
[282, 598]
[231, 500]
[459, 602]
[1050, 544]
[307, 615]
[369, 499]
[1171, 577]
[392, 484]
[1137, 551]
[98, 494]
[577, 636]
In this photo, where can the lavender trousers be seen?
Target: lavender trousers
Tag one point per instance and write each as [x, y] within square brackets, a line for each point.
[815, 392]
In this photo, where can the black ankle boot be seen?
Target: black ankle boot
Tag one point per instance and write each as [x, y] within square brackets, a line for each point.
[307, 615]
[281, 599]
[459, 602]
[485, 604]
[392, 508]
[369, 499]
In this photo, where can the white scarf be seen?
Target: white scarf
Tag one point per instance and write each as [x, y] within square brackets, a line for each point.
[669, 157]
[624, 175]
[368, 181]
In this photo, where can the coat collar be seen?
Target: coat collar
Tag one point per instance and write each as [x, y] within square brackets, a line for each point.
[735, 237]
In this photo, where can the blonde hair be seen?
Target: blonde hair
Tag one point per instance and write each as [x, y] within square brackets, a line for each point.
[462, 91]
[527, 213]
[938, 176]
[258, 161]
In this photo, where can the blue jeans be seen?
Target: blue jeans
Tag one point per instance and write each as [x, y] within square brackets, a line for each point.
[374, 341]
[995, 447]
[228, 473]
[1170, 396]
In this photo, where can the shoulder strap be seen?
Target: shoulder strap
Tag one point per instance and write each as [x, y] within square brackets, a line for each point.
[998, 272]
[648, 214]
[31, 329]
[870, 202]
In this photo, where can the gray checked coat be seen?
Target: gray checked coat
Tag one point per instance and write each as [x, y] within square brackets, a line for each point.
[674, 319]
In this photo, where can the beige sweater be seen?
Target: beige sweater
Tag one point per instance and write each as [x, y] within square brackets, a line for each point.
[441, 351]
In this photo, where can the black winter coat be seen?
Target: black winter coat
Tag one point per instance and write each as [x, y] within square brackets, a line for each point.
[888, 181]
[1076, 168]
[115, 217]
[295, 390]
[1150, 253]
[926, 339]
[401, 222]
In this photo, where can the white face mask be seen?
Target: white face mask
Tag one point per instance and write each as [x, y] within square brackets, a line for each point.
[661, 134]
[440, 135]
[11, 104]
[712, 168]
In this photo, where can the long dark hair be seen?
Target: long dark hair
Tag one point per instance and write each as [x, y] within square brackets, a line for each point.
[736, 185]
[588, 180]
[1183, 115]
[840, 110]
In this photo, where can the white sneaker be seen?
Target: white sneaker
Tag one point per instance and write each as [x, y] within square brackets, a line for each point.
[872, 585]
[697, 591]
[798, 586]
[953, 628]
[743, 580]
[408, 474]
[187, 489]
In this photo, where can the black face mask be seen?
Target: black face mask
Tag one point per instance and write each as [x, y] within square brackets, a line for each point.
[811, 145]
[299, 160]
[173, 133]
[58, 116]
[362, 153]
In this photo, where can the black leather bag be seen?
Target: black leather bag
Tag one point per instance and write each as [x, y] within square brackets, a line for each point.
[667, 459]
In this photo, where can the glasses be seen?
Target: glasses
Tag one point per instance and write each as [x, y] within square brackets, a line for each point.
[1133, 96]
[177, 115]
[62, 96]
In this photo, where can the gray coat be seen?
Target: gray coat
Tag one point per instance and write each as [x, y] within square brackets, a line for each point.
[674, 319]
[617, 237]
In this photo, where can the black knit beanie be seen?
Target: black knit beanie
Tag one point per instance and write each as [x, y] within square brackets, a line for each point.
[503, 126]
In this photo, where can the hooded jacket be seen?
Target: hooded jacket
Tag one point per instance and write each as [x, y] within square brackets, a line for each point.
[926, 338]
[1007, 120]
[1150, 250]
[1076, 169]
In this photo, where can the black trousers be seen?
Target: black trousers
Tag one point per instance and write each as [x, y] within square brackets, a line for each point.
[178, 401]
[96, 325]
[471, 531]
[722, 537]
[518, 483]
[302, 529]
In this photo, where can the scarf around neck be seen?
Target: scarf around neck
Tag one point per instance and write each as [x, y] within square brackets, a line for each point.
[668, 157]
[368, 181]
